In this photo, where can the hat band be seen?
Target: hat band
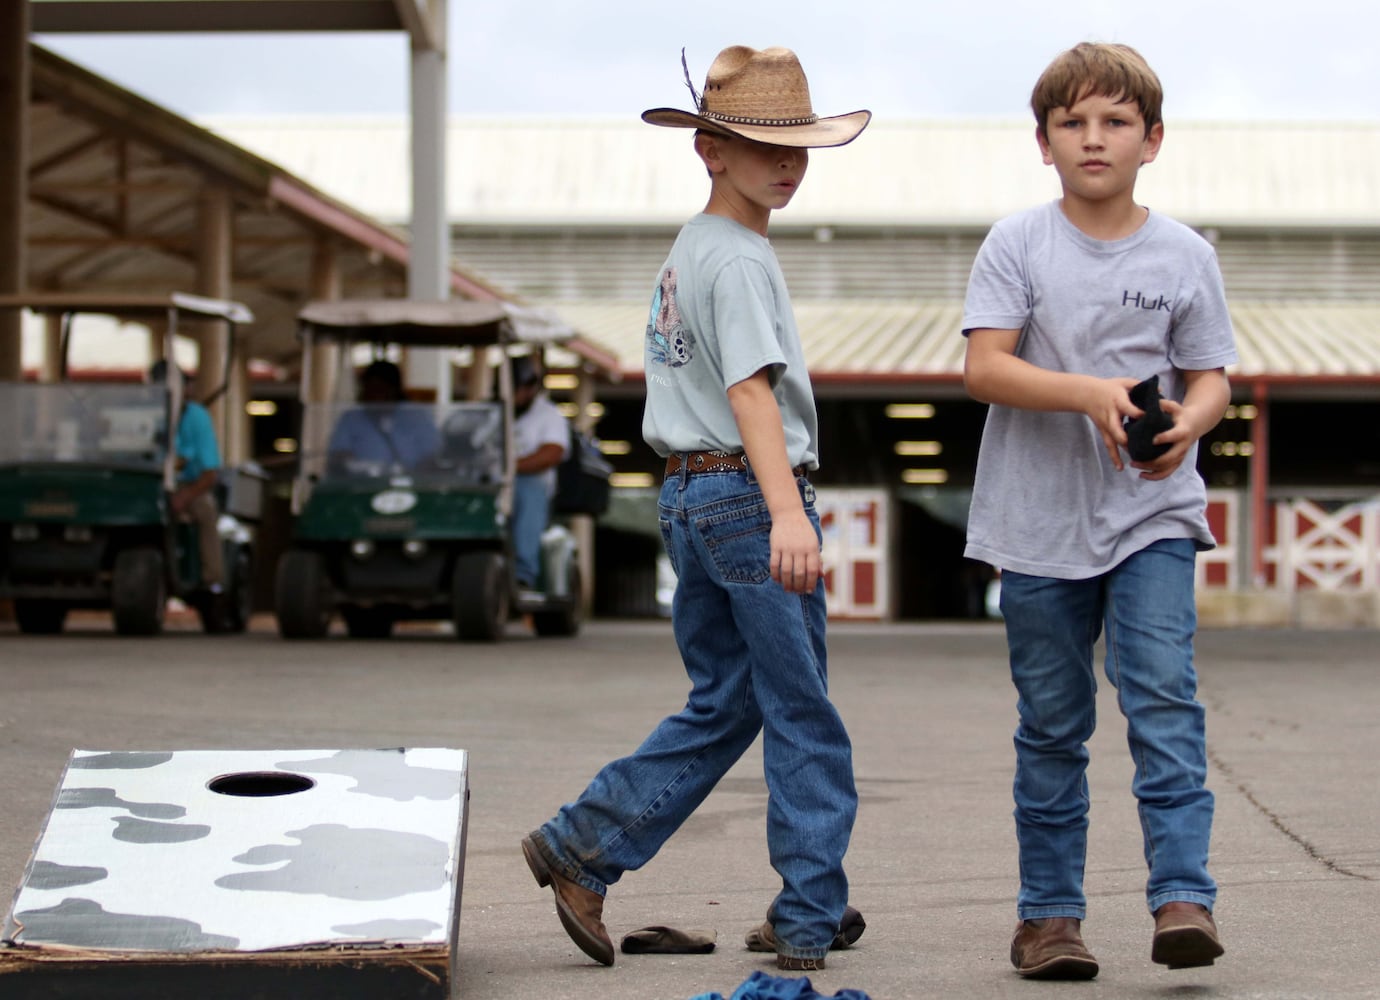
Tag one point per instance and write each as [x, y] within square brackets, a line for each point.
[741, 120]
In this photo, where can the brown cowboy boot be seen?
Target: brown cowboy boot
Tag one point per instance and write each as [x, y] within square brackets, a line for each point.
[581, 910]
[1185, 936]
[851, 927]
[1051, 948]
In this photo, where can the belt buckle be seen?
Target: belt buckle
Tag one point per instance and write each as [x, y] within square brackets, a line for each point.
[697, 460]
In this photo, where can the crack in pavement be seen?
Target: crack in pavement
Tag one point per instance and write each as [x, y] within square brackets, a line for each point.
[1281, 826]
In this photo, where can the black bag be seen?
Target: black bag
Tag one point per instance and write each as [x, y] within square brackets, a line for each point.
[582, 478]
[1141, 431]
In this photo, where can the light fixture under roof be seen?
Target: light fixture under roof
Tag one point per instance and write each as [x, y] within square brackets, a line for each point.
[910, 411]
[632, 480]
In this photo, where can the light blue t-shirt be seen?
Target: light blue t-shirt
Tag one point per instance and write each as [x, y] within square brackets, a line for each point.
[387, 433]
[1047, 500]
[719, 315]
[196, 443]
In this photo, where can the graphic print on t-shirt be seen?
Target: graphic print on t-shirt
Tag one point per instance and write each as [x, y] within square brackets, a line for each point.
[668, 341]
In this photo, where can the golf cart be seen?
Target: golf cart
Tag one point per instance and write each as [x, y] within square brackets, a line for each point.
[419, 527]
[86, 476]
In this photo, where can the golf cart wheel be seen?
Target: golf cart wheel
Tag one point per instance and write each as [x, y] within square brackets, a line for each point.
[139, 592]
[39, 617]
[366, 623]
[564, 621]
[479, 596]
[301, 595]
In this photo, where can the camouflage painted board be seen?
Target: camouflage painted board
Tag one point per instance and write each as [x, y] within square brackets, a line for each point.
[224, 873]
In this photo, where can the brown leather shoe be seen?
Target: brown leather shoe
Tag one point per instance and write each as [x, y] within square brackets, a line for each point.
[851, 928]
[1051, 948]
[1185, 936]
[791, 963]
[581, 910]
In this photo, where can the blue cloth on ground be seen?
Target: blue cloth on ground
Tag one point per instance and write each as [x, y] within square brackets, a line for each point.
[760, 986]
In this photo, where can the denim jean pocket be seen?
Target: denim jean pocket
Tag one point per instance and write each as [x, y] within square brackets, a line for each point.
[664, 523]
[737, 536]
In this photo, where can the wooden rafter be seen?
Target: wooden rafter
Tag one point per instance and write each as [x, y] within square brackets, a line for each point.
[67, 154]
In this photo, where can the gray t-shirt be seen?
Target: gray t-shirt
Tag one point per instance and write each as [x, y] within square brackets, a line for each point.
[1047, 500]
[719, 315]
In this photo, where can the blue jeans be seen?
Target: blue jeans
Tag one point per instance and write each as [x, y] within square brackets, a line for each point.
[1146, 606]
[531, 513]
[755, 655]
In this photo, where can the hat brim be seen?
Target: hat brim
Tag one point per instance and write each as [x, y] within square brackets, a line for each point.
[836, 131]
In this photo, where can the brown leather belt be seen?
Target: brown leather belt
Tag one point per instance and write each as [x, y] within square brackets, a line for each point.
[713, 461]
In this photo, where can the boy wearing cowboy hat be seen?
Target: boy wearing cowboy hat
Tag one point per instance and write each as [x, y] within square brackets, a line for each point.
[1070, 306]
[730, 406]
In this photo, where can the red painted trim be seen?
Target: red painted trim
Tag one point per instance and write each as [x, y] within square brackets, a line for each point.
[886, 378]
[956, 379]
[596, 355]
[1238, 379]
[258, 372]
[862, 379]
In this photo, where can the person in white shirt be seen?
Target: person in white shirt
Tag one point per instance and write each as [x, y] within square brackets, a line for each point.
[541, 438]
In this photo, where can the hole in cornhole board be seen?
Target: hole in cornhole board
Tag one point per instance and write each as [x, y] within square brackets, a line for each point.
[260, 784]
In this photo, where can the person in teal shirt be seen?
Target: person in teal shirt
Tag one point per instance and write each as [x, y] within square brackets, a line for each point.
[198, 471]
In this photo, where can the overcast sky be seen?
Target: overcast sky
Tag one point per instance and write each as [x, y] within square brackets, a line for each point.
[1218, 59]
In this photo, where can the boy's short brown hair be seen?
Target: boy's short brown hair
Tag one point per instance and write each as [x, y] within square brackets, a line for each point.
[1101, 69]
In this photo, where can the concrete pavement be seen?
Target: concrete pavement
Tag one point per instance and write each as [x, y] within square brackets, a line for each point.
[1292, 737]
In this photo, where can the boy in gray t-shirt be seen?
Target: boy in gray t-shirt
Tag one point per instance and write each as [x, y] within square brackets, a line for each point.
[729, 405]
[1069, 306]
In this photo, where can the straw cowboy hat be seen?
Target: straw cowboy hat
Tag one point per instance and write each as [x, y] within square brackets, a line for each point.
[760, 95]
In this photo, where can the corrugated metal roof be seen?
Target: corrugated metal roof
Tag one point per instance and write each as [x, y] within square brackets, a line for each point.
[1311, 340]
[553, 266]
[537, 171]
[850, 341]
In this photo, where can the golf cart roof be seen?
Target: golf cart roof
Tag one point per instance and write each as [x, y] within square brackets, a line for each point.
[115, 304]
[457, 322]
[453, 323]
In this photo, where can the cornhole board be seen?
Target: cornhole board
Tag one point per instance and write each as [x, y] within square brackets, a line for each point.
[242, 874]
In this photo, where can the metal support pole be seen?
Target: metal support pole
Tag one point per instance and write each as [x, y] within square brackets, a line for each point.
[50, 367]
[325, 286]
[428, 272]
[214, 280]
[582, 525]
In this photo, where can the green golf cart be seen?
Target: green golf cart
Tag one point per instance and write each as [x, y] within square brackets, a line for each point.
[416, 524]
[86, 473]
